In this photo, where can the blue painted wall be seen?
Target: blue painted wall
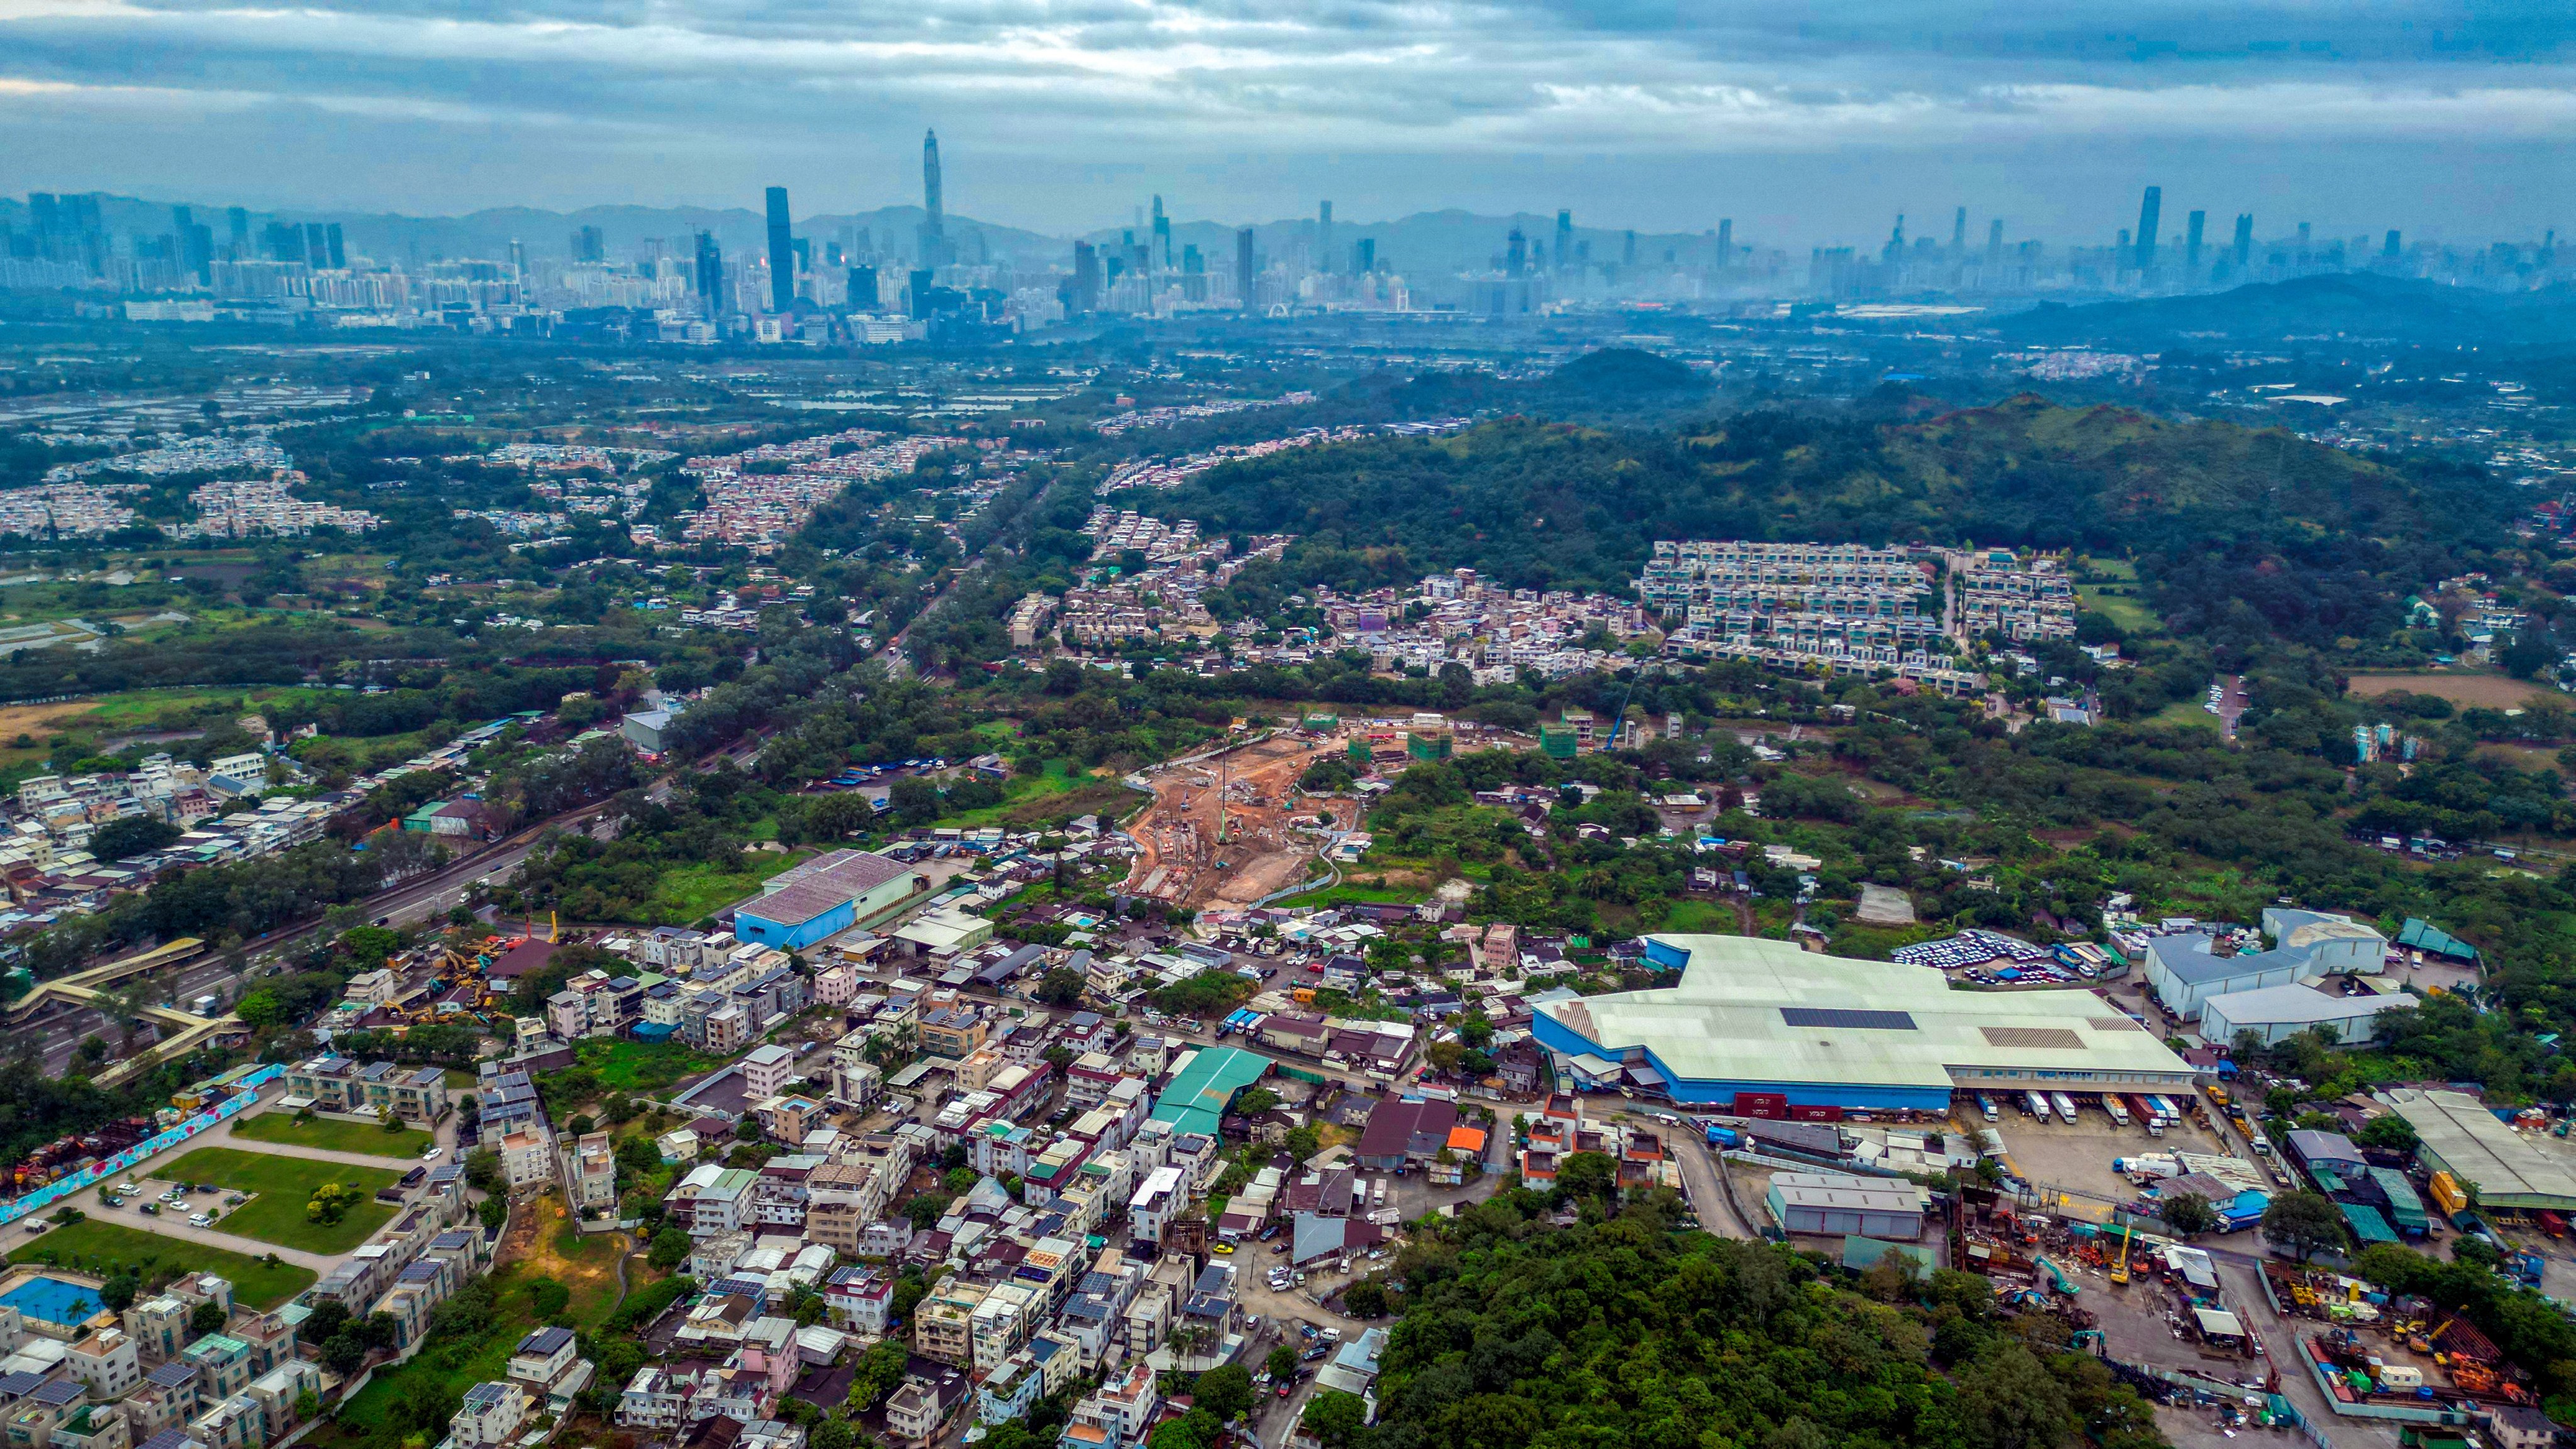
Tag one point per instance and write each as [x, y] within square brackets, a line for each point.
[750, 925]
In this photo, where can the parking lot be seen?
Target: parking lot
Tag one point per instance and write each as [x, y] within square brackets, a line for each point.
[2078, 1158]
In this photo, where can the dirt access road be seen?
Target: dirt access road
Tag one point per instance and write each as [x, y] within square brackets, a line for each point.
[1219, 832]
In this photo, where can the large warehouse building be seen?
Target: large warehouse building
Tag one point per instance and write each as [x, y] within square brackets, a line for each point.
[2510, 1171]
[1761, 1028]
[821, 898]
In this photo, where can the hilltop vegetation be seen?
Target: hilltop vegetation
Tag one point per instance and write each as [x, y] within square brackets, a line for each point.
[2233, 528]
[1616, 1331]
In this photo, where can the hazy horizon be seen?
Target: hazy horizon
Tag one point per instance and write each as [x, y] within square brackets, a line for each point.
[1808, 125]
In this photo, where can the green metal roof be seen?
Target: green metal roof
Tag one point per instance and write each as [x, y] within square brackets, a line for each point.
[2425, 937]
[2367, 1224]
[1197, 1097]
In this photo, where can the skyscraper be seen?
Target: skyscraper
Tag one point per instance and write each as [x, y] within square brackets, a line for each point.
[588, 245]
[2150, 216]
[1086, 280]
[2191, 240]
[1162, 236]
[782, 254]
[1726, 241]
[1564, 254]
[1994, 249]
[1959, 235]
[1515, 253]
[934, 218]
[710, 274]
[1324, 237]
[237, 224]
[2390, 251]
[2244, 238]
[1243, 267]
[1364, 255]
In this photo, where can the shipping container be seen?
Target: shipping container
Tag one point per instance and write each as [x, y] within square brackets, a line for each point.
[2446, 1194]
[2035, 1104]
[2065, 1106]
[2111, 1105]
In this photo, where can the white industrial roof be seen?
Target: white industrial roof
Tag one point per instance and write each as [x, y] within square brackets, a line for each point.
[2507, 1169]
[1852, 1194]
[2294, 1004]
[1750, 1010]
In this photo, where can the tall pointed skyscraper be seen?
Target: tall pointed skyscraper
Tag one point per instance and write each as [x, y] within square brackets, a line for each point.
[1162, 256]
[782, 255]
[2151, 213]
[934, 221]
[1324, 238]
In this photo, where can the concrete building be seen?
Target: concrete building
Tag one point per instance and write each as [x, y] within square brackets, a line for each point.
[1833, 1202]
[2274, 1013]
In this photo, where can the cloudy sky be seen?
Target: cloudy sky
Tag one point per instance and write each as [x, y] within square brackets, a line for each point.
[1805, 122]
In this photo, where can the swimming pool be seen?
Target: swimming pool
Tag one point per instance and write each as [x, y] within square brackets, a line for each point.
[52, 1300]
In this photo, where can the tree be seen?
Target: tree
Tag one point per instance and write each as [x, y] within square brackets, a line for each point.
[492, 1212]
[2390, 1132]
[915, 801]
[1061, 986]
[483, 1169]
[2007, 1400]
[670, 1249]
[1282, 1362]
[1365, 1299]
[331, 1202]
[344, 1352]
[1586, 1175]
[307, 1404]
[119, 1292]
[131, 836]
[2304, 1223]
[548, 1298]
[2189, 1213]
[1334, 1418]
[1224, 1392]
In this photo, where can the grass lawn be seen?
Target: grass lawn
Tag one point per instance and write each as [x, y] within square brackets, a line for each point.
[457, 1078]
[284, 1185]
[97, 1245]
[1701, 918]
[693, 892]
[2183, 712]
[1061, 789]
[643, 1065]
[333, 1135]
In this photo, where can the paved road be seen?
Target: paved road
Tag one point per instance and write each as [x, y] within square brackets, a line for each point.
[1700, 1184]
[168, 1226]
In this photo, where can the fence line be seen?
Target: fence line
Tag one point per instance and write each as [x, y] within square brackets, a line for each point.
[55, 1191]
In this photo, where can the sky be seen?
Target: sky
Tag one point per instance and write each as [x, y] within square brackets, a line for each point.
[1806, 123]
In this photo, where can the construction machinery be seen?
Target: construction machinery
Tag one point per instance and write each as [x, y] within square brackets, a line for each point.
[2120, 1265]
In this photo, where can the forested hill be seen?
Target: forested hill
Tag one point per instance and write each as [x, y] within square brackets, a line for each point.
[1550, 505]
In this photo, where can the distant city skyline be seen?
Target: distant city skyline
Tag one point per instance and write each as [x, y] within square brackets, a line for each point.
[1808, 125]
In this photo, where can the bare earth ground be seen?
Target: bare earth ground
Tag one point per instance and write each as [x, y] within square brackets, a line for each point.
[2495, 691]
[1179, 856]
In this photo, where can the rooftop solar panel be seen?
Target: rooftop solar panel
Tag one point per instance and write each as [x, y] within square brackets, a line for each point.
[1846, 1016]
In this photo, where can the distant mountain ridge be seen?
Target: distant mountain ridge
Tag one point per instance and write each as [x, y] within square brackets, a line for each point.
[2351, 304]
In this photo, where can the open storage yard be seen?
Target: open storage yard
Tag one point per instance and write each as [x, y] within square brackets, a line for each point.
[279, 1188]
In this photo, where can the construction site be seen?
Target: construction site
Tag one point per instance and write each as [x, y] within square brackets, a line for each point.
[1229, 829]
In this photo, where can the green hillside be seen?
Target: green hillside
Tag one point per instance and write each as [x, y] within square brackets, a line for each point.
[2315, 541]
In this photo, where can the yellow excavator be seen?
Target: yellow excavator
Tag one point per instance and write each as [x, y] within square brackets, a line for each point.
[2120, 1265]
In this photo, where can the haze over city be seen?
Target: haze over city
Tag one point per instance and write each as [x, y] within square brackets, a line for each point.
[1809, 125]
